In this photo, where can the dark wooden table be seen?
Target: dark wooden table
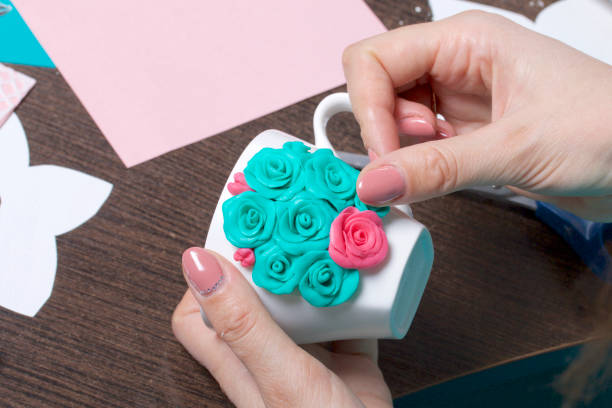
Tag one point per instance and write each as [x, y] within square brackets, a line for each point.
[503, 284]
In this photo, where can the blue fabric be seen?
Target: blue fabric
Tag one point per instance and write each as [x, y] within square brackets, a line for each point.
[17, 43]
[587, 238]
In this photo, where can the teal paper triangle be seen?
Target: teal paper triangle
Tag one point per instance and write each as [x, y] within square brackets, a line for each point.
[17, 43]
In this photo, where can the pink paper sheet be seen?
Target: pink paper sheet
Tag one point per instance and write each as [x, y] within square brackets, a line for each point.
[158, 75]
[14, 86]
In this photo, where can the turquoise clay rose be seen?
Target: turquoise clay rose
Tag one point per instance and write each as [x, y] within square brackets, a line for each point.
[303, 224]
[330, 178]
[324, 283]
[297, 148]
[273, 270]
[248, 219]
[277, 173]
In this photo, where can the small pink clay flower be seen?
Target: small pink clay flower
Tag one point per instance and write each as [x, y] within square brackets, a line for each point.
[357, 239]
[245, 256]
[239, 185]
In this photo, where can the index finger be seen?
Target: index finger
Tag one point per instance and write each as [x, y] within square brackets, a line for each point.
[375, 67]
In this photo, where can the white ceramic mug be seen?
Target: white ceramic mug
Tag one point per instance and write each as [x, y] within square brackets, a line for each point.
[389, 294]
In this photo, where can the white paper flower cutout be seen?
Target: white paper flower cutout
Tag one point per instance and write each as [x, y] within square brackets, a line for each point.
[583, 24]
[36, 204]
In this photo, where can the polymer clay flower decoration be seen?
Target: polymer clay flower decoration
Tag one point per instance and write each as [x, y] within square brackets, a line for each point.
[357, 239]
[296, 218]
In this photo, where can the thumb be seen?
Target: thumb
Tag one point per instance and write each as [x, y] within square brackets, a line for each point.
[240, 319]
[419, 172]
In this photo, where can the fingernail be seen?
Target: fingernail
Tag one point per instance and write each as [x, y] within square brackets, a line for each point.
[202, 270]
[443, 135]
[381, 185]
[372, 155]
[415, 126]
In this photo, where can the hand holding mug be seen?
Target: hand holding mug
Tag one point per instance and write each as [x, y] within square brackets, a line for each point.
[254, 361]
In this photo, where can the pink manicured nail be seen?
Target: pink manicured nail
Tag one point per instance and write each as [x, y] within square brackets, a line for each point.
[372, 155]
[442, 134]
[381, 185]
[202, 270]
[415, 126]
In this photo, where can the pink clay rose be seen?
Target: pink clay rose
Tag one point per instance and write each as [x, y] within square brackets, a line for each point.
[357, 239]
[245, 256]
[239, 185]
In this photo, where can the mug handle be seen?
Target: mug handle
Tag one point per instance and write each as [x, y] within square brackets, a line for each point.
[328, 107]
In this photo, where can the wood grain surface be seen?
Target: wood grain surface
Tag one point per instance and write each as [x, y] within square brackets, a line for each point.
[503, 284]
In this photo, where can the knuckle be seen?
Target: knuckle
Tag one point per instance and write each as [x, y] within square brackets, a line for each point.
[237, 323]
[475, 22]
[474, 14]
[479, 17]
[356, 54]
[349, 54]
[441, 168]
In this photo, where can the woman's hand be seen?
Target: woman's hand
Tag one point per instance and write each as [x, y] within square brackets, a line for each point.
[253, 360]
[530, 112]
